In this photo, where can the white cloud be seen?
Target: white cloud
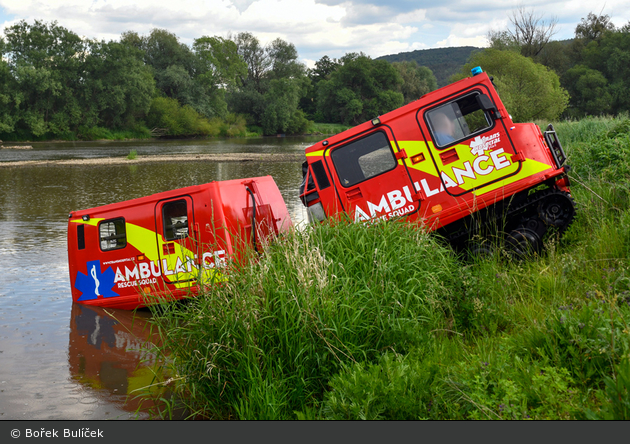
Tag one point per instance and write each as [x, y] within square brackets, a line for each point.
[454, 40]
[416, 16]
[316, 27]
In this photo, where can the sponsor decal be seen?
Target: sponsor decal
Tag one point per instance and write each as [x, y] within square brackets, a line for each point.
[482, 144]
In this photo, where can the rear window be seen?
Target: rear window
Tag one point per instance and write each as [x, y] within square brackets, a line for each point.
[363, 159]
[112, 234]
[175, 216]
[457, 120]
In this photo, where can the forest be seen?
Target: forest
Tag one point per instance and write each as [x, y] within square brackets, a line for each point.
[57, 85]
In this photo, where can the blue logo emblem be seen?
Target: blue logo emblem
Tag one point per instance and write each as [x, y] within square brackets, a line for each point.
[95, 283]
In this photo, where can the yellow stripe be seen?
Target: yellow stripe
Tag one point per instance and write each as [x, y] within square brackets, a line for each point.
[529, 167]
[94, 222]
[316, 153]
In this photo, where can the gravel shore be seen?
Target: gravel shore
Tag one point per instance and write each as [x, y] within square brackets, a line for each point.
[227, 157]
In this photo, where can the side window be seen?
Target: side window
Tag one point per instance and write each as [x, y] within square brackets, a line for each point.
[112, 234]
[175, 217]
[457, 120]
[364, 158]
[81, 237]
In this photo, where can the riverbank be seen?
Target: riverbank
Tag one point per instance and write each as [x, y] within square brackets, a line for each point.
[224, 157]
[315, 129]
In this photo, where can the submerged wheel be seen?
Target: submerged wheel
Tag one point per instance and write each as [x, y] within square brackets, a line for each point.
[480, 249]
[557, 210]
[523, 242]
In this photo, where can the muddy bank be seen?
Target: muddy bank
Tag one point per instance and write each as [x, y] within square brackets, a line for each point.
[224, 157]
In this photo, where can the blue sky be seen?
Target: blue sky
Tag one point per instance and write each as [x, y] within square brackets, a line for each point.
[316, 27]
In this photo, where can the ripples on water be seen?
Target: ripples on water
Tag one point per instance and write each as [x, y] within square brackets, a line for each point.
[59, 361]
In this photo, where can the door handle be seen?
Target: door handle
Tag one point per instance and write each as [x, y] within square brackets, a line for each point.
[354, 194]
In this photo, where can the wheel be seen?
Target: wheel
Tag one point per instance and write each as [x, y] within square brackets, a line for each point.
[557, 210]
[480, 249]
[523, 242]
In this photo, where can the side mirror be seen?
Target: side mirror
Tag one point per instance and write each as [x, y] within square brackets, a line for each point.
[485, 103]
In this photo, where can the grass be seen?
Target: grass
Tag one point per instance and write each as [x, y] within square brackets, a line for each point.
[132, 154]
[383, 321]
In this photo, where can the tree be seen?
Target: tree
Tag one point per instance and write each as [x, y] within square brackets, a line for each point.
[611, 56]
[601, 54]
[359, 90]
[9, 98]
[529, 32]
[284, 60]
[256, 58]
[593, 27]
[281, 113]
[528, 90]
[589, 91]
[46, 61]
[117, 88]
[588, 35]
[220, 63]
[324, 67]
[416, 80]
[196, 77]
[557, 55]
[275, 82]
[163, 49]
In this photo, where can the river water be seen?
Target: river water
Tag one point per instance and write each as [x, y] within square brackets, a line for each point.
[60, 360]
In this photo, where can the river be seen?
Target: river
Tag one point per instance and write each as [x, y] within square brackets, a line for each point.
[60, 360]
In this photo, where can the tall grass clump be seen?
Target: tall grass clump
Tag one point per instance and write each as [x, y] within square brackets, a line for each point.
[265, 343]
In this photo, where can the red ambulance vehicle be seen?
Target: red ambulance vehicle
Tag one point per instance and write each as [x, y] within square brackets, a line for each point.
[168, 245]
[454, 161]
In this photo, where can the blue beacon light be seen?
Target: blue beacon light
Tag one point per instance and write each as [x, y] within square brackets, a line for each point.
[476, 70]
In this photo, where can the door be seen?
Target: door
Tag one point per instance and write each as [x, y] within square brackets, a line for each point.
[370, 177]
[469, 145]
[177, 243]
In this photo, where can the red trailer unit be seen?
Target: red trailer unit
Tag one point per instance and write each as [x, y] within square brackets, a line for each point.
[168, 245]
[453, 160]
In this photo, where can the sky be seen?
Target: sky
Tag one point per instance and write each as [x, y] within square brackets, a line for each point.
[315, 27]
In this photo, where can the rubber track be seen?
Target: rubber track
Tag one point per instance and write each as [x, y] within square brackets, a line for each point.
[529, 206]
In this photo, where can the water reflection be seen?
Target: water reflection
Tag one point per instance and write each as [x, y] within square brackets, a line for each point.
[107, 352]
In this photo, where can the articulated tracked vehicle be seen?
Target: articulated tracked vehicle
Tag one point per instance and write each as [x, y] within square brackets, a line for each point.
[453, 160]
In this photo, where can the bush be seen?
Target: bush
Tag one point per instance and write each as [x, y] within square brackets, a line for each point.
[166, 113]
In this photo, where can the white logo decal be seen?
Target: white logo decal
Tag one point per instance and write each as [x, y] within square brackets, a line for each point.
[484, 143]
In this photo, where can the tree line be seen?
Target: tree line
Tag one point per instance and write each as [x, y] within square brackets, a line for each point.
[55, 84]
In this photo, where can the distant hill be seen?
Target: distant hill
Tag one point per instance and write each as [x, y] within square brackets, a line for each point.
[444, 62]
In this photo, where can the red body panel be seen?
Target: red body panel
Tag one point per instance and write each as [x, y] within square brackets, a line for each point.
[169, 244]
